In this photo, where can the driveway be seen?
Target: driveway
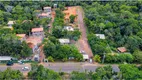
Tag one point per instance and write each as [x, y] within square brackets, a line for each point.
[82, 43]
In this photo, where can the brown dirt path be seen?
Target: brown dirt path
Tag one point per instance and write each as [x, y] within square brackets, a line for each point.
[82, 43]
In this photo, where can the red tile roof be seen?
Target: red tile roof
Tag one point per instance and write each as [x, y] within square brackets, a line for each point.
[37, 29]
[43, 14]
[21, 35]
[122, 49]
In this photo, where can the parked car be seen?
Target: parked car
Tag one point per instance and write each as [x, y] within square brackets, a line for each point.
[20, 62]
[9, 63]
[25, 68]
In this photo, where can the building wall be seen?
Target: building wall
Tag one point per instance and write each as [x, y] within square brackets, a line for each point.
[38, 33]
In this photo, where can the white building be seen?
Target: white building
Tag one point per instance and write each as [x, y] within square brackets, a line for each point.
[68, 28]
[5, 58]
[85, 56]
[47, 9]
[64, 41]
[101, 36]
[44, 15]
[37, 32]
[10, 23]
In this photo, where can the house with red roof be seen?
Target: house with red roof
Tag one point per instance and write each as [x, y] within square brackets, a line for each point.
[37, 31]
[22, 37]
[121, 49]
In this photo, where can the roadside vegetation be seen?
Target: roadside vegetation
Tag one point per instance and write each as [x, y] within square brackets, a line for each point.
[59, 51]
[38, 72]
[10, 45]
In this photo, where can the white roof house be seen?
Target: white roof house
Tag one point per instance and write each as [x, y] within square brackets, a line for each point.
[64, 41]
[10, 23]
[69, 28]
[5, 58]
[85, 56]
[101, 36]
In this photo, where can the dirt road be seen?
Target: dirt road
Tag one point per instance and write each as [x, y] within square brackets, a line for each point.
[82, 43]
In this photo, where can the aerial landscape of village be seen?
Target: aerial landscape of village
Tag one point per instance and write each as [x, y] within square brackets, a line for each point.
[71, 40]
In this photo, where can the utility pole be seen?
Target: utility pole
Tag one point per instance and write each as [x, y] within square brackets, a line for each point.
[103, 57]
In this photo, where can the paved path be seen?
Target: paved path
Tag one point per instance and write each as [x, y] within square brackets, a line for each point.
[82, 43]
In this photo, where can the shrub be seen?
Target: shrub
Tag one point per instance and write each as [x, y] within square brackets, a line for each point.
[97, 58]
[50, 59]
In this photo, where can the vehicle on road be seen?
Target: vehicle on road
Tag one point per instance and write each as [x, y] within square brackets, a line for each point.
[25, 68]
[10, 63]
[20, 62]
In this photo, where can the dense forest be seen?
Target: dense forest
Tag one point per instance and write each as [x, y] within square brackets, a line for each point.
[120, 22]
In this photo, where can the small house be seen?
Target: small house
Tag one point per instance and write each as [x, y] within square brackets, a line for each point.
[37, 31]
[121, 49]
[44, 15]
[64, 41]
[10, 23]
[47, 9]
[22, 37]
[101, 36]
[68, 28]
[85, 57]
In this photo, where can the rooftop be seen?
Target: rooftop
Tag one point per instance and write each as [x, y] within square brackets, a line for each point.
[34, 40]
[122, 49]
[101, 36]
[85, 56]
[10, 22]
[69, 28]
[21, 35]
[64, 41]
[37, 29]
[4, 58]
[47, 7]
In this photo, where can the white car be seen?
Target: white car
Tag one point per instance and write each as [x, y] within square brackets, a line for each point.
[25, 68]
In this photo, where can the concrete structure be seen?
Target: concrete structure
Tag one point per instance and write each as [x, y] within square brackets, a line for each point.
[55, 5]
[22, 37]
[37, 32]
[10, 23]
[5, 58]
[85, 56]
[64, 41]
[47, 9]
[44, 15]
[68, 28]
[101, 36]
